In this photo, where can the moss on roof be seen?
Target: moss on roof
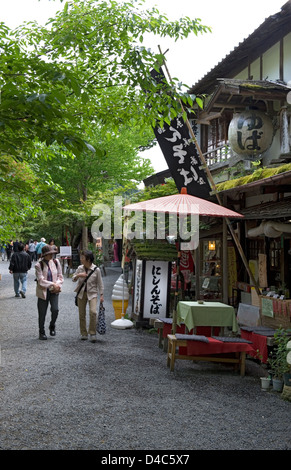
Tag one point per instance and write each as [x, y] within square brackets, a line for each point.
[259, 174]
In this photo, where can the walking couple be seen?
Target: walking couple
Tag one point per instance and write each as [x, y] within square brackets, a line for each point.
[49, 282]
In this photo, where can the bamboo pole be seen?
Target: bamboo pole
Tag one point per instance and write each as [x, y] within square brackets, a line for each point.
[214, 189]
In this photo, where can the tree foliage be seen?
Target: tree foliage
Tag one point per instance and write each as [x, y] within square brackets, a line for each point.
[57, 77]
[67, 90]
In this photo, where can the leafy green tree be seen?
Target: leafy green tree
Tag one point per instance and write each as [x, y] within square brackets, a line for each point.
[82, 179]
[86, 68]
[23, 191]
[55, 78]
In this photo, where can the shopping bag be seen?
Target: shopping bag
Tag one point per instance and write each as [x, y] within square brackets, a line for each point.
[101, 324]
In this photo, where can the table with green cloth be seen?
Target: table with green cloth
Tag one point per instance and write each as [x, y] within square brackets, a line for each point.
[206, 314]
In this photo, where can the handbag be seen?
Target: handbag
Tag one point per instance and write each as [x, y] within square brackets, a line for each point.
[101, 324]
[83, 283]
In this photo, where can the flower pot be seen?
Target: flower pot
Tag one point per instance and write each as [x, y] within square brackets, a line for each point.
[265, 383]
[278, 385]
[287, 378]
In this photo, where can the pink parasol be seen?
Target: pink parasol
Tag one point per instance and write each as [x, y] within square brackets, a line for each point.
[183, 204]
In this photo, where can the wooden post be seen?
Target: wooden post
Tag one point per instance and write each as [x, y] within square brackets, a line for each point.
[174, 324]
[197, 274]
[225, 264]
[214, 189]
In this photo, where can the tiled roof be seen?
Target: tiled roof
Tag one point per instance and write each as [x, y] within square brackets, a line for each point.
[274, 210]
[238, 94]
[267, 34]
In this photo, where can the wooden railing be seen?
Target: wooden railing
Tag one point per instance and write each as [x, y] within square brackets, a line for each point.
[218, 154]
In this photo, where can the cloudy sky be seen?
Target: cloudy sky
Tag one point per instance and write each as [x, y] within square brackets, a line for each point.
[189, 60]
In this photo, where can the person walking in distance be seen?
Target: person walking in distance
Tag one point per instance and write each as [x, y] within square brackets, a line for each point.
[20, 263]
[9, 249]
[31, 249]
[88, 293]
[39, 247]
[3, 246]
[49, 279]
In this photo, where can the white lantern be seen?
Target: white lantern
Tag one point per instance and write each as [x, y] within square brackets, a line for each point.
[250, 133]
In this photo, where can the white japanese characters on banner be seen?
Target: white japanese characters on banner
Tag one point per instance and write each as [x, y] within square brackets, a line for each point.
[181, 154]
[156, 289]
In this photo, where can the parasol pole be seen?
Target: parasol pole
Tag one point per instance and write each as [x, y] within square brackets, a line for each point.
[214, 189]
[174, 324]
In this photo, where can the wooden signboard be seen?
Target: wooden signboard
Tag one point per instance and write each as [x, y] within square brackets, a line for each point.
[262, 270]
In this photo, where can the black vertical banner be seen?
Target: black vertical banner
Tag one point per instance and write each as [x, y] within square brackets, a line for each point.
[181, 154]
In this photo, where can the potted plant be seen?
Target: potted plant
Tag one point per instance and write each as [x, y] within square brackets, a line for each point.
[265, 383]
[278, 358]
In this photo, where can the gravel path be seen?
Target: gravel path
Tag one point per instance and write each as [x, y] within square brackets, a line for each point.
[118, 394]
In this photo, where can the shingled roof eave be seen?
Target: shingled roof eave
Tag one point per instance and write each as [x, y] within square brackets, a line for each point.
[207, 83]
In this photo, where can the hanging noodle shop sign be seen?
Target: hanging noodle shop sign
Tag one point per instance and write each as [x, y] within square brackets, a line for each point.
[250, 134]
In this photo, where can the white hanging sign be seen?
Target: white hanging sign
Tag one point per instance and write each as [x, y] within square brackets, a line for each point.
[156, 289]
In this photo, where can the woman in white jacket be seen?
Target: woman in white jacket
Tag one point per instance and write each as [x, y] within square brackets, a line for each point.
[49, 279]
[88, 293]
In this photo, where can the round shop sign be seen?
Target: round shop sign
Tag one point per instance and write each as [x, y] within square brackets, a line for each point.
[250, 134]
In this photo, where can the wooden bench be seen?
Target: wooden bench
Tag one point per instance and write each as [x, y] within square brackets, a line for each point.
[238, 359]
[162, 337]
[166, 324]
